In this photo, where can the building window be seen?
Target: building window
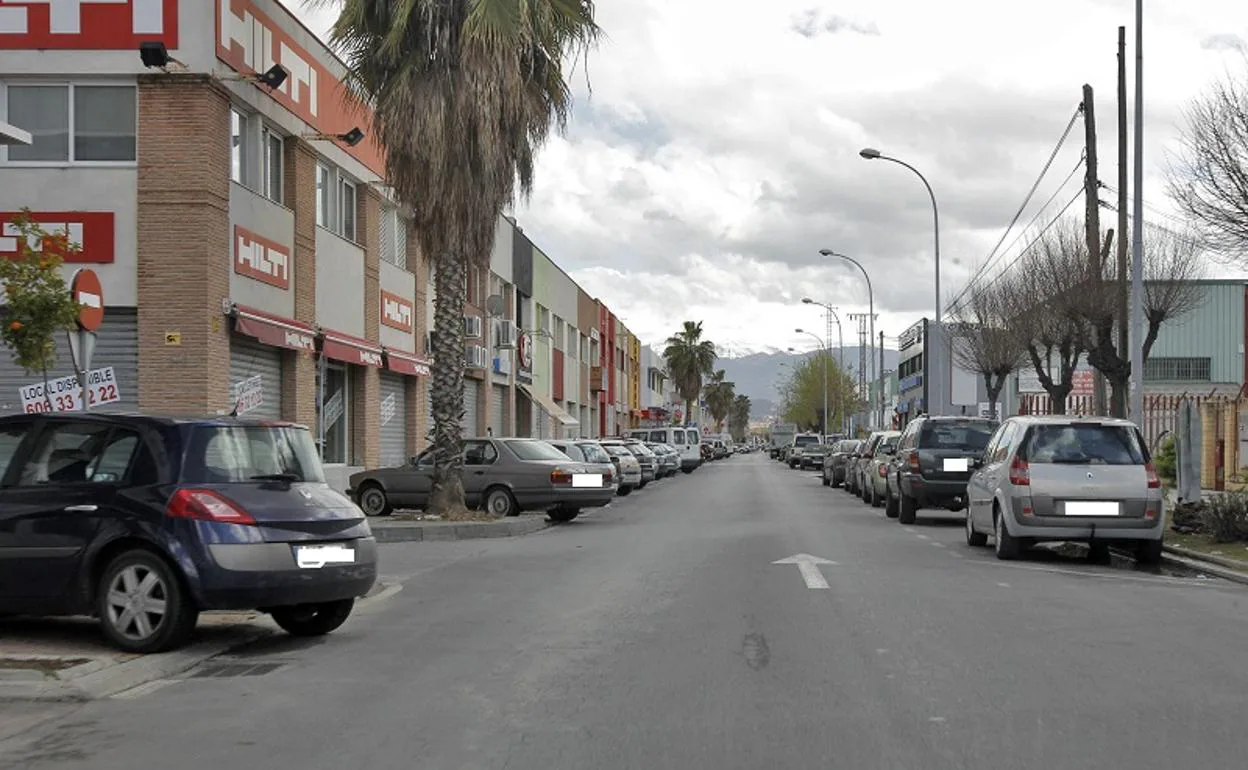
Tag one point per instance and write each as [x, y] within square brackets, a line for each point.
[274, 166]
[346, 200]
[393, 237]
[73, 123]
[238, 147]
[324, 197]
[1178, 370]
[333, 414]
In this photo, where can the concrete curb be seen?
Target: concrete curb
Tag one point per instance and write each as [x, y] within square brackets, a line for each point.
[103, 677]
[419, 531]
[1204, 563]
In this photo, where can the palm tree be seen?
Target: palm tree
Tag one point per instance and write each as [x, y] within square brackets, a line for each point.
[719, 395]
[739, 417]
[464, 93]
[689, 358]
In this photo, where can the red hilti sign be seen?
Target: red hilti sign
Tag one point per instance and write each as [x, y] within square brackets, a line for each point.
[92, 231]
[396, 312]
[88, 25]
[260, 258]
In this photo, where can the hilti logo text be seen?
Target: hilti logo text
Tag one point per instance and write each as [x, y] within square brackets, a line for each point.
[256, 41]
[10, 234]
[300, 341]
[396, 312]
[370, 358]
[147, 17]
[260, 258]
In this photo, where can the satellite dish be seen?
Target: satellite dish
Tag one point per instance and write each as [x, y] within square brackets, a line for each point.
[494, 304]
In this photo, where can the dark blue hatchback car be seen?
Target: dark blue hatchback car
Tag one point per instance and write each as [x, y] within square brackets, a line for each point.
[146, 521]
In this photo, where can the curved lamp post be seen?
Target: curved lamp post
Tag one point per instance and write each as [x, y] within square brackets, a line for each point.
[870, 315]
[830, 313]
[870, 153]
[823, 424]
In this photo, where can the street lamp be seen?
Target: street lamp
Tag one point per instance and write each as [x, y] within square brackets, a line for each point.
[870, 153]
[823, 423]
[830, 315]
[870, 315]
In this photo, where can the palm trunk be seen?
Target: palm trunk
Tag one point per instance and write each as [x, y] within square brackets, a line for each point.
[447, 496]
[688, 411]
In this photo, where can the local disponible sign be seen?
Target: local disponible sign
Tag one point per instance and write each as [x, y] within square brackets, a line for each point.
[248, 394]
[65, 395]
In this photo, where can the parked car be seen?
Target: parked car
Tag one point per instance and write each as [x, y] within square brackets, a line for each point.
[797, 449]
[627, 467]
[647, 459]
[590, 453]
[669, 459]
[706, 451]
[876, 469]
[685, 440]
[145, 522]
[503, 476]
[836, 461]
[1060, 478]
[933, 463]
[854, 475]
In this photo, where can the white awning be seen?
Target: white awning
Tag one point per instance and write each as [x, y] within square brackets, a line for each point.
[549, 405]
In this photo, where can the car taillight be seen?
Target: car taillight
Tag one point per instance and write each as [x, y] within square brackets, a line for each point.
[913, 459]
[1154, 481]
[1020, 473]
[206, 505]
[560, 476]
[607, 477]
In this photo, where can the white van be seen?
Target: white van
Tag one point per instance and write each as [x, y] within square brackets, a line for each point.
[686, 440]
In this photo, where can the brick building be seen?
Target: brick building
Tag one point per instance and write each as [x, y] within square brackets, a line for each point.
[249, 252]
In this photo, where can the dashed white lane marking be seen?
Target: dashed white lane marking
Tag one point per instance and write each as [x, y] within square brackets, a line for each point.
[936, 719]
[881, 650]
[1203, 582]
[923, 537]
[954, 555]
[909, 529]
[938, 545]
[1004, 585]
[144, 689]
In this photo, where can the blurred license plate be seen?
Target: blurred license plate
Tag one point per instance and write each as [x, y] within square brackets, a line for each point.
[1088, 508]
[317, 556]
[586, 479]
[956, 465]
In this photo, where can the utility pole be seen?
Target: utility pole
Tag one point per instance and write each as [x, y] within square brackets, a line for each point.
[863, 360]
[1137, 230]
[880, 384]
[1124, 339]
[1092, 216]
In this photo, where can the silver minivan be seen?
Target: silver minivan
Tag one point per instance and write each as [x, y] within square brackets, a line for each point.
[1064, 478]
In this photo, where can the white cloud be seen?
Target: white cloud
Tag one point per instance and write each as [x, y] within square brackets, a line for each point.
[718, 151]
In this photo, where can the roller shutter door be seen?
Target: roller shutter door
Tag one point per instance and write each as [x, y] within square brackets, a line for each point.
[116, 346]
[472, 390]
[393, 432]
[498, 410]
[248, 360]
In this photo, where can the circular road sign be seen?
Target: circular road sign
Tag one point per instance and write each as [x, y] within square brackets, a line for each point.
[86, 290]
[524, 350]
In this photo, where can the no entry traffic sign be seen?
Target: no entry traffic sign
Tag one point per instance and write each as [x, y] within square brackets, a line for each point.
[86, 290]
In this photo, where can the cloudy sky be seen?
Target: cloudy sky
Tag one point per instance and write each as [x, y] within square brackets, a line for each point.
[718, 150]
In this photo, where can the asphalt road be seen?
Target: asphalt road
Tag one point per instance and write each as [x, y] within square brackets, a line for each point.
[658, 633]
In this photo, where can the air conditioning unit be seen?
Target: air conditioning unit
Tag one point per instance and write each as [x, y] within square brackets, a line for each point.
[472, 326]
[504, 333]
[476, 357]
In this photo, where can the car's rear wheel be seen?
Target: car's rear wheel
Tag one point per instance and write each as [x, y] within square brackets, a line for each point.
[973, 538]
[826, 481]
[907, 509]
[313, 619]
[499, 502]
[1149, 552]
[624, 491]
[373, 500]
[142, 605]
[890, 503]
[1008, 546]
[563, 515]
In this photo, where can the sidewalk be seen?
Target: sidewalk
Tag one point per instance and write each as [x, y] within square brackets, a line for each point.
[67, 659]
[390, 530]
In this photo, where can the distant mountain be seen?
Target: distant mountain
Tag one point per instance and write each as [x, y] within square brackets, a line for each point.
[757, 374]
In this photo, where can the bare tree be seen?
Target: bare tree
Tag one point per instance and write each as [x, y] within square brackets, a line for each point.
[1208, 175]
[1045, 303]
[1172, 263]
[983, 341]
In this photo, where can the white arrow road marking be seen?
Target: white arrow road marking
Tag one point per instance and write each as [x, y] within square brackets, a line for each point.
[809, 567]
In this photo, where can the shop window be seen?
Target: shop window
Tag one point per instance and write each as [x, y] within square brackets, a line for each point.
[274, 165]
[238, 147]
[74, 123]
[333, 414]
[1178, 369]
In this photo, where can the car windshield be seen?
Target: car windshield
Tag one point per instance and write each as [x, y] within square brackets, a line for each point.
[232, 455]
[594, 453]
[534, 449]
[640, 449]
[1083, 444]
[616, 450]
[804, 440]
[948, 434]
